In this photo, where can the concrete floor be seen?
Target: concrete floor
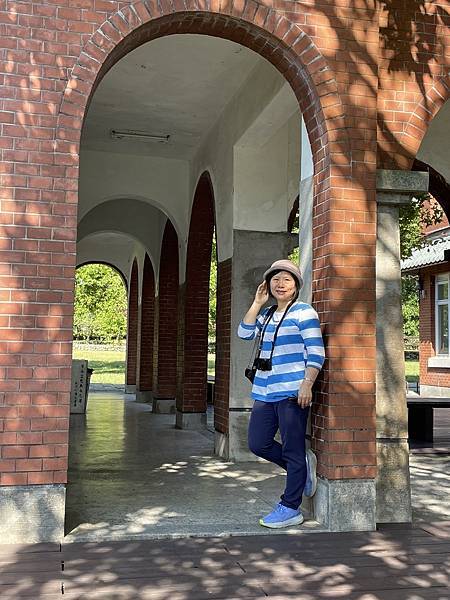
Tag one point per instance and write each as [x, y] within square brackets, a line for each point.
[133, 475]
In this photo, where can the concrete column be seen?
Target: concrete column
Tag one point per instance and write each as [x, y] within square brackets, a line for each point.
[305, 205]
[253, 252]
[393, 493]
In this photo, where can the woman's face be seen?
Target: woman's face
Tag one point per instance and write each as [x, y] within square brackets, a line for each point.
[282, 286]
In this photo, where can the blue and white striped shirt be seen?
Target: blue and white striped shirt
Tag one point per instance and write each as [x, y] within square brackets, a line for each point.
[298, 345]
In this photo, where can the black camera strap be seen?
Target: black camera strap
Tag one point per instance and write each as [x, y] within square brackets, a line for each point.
[276, 329]
[258, 341]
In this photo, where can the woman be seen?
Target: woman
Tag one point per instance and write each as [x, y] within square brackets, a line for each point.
[291, 354]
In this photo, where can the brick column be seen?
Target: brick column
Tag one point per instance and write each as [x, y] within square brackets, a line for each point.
[132, 332]
[394, 188]
[166, 325]
[223, 341]
[193, 358]
[145, 366]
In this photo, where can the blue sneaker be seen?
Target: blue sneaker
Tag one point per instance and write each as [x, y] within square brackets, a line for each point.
[311, 477]
[282, 516]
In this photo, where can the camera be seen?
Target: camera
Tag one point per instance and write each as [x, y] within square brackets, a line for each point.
[263, 364]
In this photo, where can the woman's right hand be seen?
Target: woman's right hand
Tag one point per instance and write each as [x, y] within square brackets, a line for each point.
[262, 295]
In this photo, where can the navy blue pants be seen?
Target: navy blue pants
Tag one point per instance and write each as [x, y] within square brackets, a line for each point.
[287, 416]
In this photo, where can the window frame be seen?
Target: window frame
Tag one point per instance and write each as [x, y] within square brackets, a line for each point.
[441, 278]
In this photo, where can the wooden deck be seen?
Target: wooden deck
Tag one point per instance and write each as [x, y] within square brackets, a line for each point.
[394, 563]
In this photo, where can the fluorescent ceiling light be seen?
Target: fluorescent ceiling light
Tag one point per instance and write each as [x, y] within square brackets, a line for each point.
[138, 135]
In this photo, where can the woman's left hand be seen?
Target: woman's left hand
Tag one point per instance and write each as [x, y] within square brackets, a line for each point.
[305, 393]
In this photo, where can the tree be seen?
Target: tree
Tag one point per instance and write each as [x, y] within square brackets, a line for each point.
[213, 292]
[100, 304]
[414, 218]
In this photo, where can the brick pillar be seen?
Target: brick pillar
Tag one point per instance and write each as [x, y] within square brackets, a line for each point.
[145, 367]
[132, 333]
[223, 334]
[166, 325]
[191, 400]
[37, 274]
[394, 188]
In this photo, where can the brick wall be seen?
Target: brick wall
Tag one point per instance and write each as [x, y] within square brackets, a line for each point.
[165, 374]
[147, 327]
[223, 333]
[194, 355]
[412, 74]
[132, 331]
[427, 332]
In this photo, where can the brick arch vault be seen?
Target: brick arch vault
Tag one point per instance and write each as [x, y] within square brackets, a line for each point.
[344, 223]
[344, 197]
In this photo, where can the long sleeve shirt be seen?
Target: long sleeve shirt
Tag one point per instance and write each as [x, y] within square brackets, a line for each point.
[298, 345]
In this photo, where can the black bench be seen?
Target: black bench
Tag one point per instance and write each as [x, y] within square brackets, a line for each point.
[420, 416]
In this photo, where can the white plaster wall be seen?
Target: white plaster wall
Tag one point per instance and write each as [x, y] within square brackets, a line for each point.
[252, 154]
[264, 103]
[266, 179]
[161, 182]
[114, 249]
[136, 219]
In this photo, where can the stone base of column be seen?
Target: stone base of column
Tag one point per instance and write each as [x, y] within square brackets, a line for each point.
[393, 483]
[144, 396]
[130, 389]
[164, 406]
[237, 438]
[190, 420]
[221, 445]
[32, 513]
[345, 505]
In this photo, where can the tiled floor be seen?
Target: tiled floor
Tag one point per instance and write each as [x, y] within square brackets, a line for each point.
[133, 475]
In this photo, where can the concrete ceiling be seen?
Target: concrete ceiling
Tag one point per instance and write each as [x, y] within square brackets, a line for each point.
[435, 147]
[176, 85]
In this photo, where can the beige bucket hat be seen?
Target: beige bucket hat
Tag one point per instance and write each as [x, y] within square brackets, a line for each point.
[284, 265]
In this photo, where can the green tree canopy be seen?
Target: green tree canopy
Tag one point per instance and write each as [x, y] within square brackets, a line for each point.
[419, 213]
[100, 304]
[213, 292]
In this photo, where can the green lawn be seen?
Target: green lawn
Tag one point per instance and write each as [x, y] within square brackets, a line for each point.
[412, 370]
[109, 365]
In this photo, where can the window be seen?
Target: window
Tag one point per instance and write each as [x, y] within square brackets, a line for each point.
[442, 314]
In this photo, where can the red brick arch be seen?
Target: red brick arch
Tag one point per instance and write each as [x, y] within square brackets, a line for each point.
[262, 29]
[166, 321]
[193, 358]
[422, 116]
